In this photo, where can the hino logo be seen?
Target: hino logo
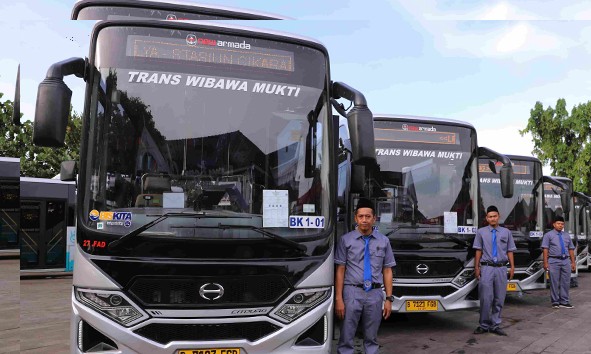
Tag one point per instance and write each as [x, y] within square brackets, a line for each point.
[422, 268]
[211, 294]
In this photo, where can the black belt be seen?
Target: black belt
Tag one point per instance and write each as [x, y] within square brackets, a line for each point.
[373, 285]
[493, 264]
[559, 257]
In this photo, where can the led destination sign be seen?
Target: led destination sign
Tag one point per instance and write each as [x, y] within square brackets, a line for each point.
[196, 48]
[430, 136]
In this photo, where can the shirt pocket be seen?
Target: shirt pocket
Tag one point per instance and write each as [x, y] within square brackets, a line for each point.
[377, 258]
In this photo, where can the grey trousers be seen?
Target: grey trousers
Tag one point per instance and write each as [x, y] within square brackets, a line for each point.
[492, 289]
[365, 307]
[559, 280]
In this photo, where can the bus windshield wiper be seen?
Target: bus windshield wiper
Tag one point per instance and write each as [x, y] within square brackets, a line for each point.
[415, 226]
[285, 241]
[118, 242]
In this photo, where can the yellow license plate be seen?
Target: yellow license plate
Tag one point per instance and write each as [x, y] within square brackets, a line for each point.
[422, 305]
[511, 287]
[210, 351]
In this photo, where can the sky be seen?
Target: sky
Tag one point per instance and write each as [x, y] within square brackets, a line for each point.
[483, 62]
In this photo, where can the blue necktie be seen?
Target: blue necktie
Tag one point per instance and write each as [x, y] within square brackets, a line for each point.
[562, 244]
[494, 244]
[366, 266]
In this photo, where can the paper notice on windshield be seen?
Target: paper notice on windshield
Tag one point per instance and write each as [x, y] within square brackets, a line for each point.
[450, 222]
[173, 200]
[275, 208]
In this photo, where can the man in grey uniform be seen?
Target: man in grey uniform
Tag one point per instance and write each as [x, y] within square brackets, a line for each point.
[558, 248]
[364, 262]
[494, 248]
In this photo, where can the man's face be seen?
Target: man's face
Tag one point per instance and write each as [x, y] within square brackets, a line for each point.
[365, 219]
[492, 218]
[558, 225]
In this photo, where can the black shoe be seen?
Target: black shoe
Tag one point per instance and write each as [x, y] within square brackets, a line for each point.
[498, 331]
[567, 306]
[480, 330]
[555, 306]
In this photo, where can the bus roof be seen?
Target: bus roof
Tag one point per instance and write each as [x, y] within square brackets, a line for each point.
[523, 158]
[189, 25]
[432, 120]
[174, 5]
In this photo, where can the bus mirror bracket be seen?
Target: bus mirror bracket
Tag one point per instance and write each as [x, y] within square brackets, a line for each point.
[53, 102]
[506, 173]
[360, 121]
[565, 202]
[68, 170]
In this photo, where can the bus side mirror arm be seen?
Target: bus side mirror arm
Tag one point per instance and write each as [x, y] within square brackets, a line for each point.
[564, 200]
[506, 172]
[53, 102]
[360, 121]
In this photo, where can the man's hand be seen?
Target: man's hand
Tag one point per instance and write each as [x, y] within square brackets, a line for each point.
[546, 267]
[477, 273]
[511, 272]
[387, 309]
[573, 266]
[339, 308]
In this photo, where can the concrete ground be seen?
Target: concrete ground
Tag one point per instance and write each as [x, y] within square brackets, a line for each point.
[533, 327]
[9, 305]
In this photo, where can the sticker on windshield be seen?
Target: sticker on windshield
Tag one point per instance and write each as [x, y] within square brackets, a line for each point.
[275, 208]
[110, 218]
[306, 222]
[467, 230]
[536, 234]
[309, 208]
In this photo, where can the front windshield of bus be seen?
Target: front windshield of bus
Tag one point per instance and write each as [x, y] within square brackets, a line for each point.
[553, 207]
[426, 180]
[230, 128]
[521, 213]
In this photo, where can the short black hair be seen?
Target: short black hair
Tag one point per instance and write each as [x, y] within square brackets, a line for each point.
[492, 208]
[558, 218]
[365, 203]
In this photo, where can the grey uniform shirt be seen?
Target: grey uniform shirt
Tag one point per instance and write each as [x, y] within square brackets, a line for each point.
[505, 243]
[351, 253]
[552, 243]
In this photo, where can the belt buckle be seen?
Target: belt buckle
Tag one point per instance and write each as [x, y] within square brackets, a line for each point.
[367, 284]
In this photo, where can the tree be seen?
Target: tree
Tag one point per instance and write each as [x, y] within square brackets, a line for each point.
[17, 141]
[563, 141]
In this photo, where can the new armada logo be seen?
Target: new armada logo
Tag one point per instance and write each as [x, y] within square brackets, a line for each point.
[422, 268]
[211, 291]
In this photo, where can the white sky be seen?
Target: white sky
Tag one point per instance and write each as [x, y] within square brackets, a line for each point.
[484, 62]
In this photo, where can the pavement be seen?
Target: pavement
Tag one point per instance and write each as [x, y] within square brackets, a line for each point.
[532, 325]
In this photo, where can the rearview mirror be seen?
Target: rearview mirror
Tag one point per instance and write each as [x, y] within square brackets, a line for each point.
[565, 202]
[507, 181]
[68, 170]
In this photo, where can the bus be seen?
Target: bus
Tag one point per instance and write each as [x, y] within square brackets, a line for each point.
[561, 202]
[206, 187]
[47, 209]
[9, 206]
[582, 207]
[426, 192]
[523, 214]
[158, 10]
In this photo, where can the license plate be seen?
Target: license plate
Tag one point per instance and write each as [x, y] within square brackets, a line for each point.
[210, 351]
[511, 287]
[422, 305]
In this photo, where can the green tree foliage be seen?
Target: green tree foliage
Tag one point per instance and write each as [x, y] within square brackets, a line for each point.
[17, 141]
[563, 141]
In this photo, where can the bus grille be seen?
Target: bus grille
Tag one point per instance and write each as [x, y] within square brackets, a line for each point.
[435, 268]
[199, 292]
[165, 333]
[443, 291]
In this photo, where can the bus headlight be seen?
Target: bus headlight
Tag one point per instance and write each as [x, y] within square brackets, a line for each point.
[464, 277]
[300, 303]
[111, 304]
[534, 267]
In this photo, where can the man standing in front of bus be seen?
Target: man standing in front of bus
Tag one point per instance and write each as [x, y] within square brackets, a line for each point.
[494, 248]
[364, 262]
[558, 246]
